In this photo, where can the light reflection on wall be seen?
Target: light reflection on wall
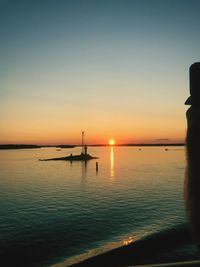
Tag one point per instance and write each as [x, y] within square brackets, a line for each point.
[112, 170]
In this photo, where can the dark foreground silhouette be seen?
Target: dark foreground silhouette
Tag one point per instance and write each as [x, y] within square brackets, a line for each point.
[192, 181]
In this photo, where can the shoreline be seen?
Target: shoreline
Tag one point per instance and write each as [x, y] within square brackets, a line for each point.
[156, 248]
[90, 254]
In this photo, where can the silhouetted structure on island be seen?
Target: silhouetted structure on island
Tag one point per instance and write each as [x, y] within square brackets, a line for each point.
[81, 157]
[84, 156]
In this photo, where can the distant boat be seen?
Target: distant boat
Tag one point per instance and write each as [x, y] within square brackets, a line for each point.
[66, 146]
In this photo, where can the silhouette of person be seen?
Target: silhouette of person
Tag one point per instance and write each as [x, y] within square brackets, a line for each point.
[192, 179]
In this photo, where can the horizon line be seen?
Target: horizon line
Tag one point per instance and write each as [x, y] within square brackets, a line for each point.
[13, 146]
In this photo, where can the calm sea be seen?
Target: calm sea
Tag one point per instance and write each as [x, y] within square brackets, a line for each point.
[51, 211]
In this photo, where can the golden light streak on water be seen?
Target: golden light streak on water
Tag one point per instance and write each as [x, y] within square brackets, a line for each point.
[128, 241]
[112, 170]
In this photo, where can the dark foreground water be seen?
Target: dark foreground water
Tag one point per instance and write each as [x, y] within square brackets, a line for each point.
[52, 211]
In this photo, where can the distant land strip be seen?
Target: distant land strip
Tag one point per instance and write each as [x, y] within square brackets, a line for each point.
[143, 144]
[160, 144]
[25, 146]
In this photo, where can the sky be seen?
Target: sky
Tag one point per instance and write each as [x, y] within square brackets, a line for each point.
[114, 69]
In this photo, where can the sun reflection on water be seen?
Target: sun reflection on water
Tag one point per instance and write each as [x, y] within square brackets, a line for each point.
[128, 241]
[112, 171]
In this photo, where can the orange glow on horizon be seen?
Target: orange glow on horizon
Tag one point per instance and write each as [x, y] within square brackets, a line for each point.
[32, 132]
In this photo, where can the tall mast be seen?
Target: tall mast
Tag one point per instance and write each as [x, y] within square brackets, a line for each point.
[83, 142]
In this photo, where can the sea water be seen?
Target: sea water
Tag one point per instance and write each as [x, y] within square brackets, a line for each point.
[51, 211]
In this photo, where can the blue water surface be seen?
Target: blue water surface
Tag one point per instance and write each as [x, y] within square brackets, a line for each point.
[54, 210]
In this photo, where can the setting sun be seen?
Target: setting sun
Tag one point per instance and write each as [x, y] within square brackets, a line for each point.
[111, 142]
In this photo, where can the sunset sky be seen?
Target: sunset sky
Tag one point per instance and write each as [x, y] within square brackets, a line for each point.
[114, 69]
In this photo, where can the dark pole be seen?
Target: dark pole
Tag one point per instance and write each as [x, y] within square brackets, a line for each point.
[83, 142]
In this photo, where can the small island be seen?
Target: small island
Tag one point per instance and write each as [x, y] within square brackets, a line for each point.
[84, 156]
[81, 157]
